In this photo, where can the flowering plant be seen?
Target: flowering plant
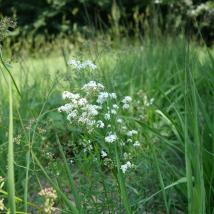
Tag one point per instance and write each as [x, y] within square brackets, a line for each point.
[102, 118]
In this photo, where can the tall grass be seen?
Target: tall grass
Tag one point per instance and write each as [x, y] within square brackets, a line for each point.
[11, 180]
[193, 145]
[173, 166]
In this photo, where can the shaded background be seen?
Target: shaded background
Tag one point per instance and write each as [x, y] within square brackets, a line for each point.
[56, 18]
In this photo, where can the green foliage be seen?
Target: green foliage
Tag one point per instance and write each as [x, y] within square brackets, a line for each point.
[52, 18]
[174, 163]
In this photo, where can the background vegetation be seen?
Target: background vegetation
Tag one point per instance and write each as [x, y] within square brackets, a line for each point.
[52, 18]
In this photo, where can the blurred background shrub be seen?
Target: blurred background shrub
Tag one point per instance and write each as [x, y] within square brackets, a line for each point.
[48, 19]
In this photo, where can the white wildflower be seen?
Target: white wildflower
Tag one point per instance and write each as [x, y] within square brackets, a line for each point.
[79, 66]
[88, 63]
[136, 144]
[82, 102]
[100, 124]
[48, 192]
[126, 102]
[125, 106]
[90, 122]
[126, 166]
[69, 95]
[102, 97]
[113, 95]
[91, 109]
[103, 154]
[113, 111]
[107, 116]
[92, 86]
[87, 148]
[72, 115]
[66, 108]
[119, 120]
[127, 99]
[131, 133]
[74, 62]
[115, 106]
[111, 138]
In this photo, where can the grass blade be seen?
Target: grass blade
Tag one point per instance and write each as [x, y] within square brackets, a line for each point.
[121, 180]
[11, 76]
[70, 178]
[11, 184]
[59, 192]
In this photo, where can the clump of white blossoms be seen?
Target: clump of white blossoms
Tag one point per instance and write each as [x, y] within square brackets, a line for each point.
[110, 138]
[131, 133]
[82, 65]
[101, 118]
[95, 109]
[126, 166]
[50, 196]
[126, 101]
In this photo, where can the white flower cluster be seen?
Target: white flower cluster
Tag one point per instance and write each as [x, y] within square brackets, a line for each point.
[79, 109]
[103, 154]
[126, 102]
[104, 96]
[79, 66]
[110, 138]
[199, 10]
[131, 133]
[92, 86]
[99, 112]
[50, 197]
[126, 166]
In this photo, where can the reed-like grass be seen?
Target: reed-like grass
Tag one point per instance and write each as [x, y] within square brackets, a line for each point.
[174, 164]
[10, 156]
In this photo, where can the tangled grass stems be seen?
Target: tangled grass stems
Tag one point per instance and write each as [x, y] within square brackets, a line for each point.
[70, 178]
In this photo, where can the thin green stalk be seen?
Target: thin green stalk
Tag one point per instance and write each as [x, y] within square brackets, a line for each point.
[122, 185]
[28, 160]
[20, 200]
[11, 76]
[178, 182]
[194, 159]
[160, 178]
[70, 178]
[26, 181]
[11, 184]
[187, 153]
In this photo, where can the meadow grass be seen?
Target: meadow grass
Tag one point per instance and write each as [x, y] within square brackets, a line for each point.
[173, 170]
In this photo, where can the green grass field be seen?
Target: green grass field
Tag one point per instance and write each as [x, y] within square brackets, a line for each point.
[49, 164]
